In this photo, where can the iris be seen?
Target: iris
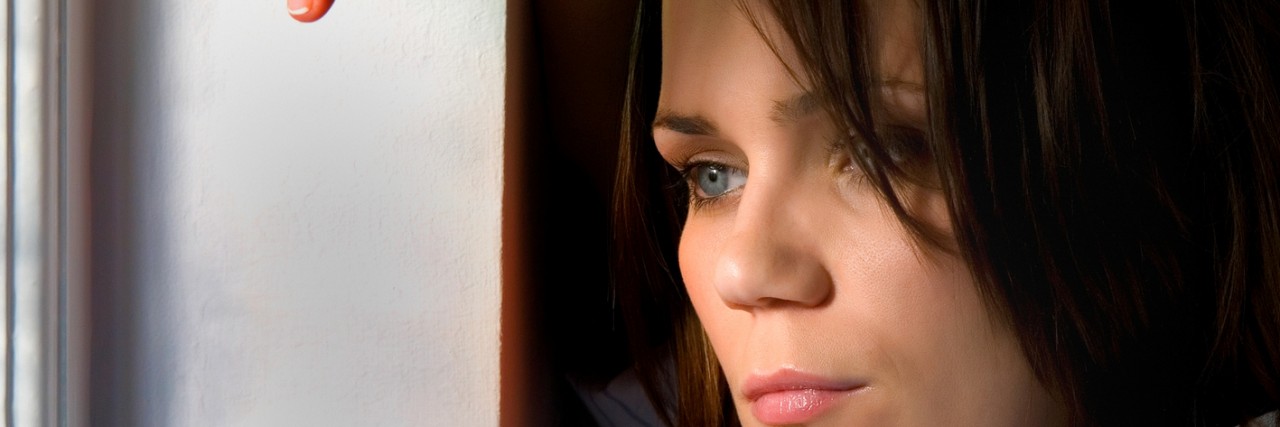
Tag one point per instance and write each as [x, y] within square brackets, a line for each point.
[714, 180]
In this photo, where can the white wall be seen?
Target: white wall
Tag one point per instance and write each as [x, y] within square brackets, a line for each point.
[296, 224]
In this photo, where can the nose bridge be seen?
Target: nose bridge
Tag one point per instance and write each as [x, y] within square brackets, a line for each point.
[772, 255]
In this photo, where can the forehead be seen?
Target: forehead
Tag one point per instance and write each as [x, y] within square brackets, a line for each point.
[714, 58]
[717, 50]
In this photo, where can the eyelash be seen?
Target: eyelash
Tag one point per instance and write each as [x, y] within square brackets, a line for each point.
[848, 162]
[906, 148]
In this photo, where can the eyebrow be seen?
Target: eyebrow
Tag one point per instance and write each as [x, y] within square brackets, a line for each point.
[783, 112]
[794, 108]
[686, 124]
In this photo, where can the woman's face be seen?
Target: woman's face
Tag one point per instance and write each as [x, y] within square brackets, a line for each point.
[820, 308]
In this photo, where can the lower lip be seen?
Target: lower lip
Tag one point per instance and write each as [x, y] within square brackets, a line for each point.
[795, 406]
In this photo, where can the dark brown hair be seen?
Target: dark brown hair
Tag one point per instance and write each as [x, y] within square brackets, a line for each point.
[1110, 170]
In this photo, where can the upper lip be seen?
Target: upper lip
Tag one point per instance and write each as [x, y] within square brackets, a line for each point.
[791, 379]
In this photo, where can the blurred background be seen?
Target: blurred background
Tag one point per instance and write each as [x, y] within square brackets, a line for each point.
[397, 215]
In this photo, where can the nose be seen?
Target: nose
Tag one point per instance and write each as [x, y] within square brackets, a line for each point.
[772, 257]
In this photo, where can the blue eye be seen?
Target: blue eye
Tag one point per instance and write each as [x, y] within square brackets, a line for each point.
[711, 180]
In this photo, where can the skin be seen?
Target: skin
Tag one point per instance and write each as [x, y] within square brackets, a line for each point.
[804, 267]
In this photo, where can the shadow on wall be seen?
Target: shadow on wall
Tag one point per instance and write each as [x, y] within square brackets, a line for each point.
[567, 65]
[124, 144]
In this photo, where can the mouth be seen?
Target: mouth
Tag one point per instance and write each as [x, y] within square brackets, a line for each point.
[788, 396]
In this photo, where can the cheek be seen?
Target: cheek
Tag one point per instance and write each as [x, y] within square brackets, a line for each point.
[906, 308]
[921, 315]
[945, 357]
[700, 243]
[728, 329]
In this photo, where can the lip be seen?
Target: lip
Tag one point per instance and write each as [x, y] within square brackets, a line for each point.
[788, 396]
